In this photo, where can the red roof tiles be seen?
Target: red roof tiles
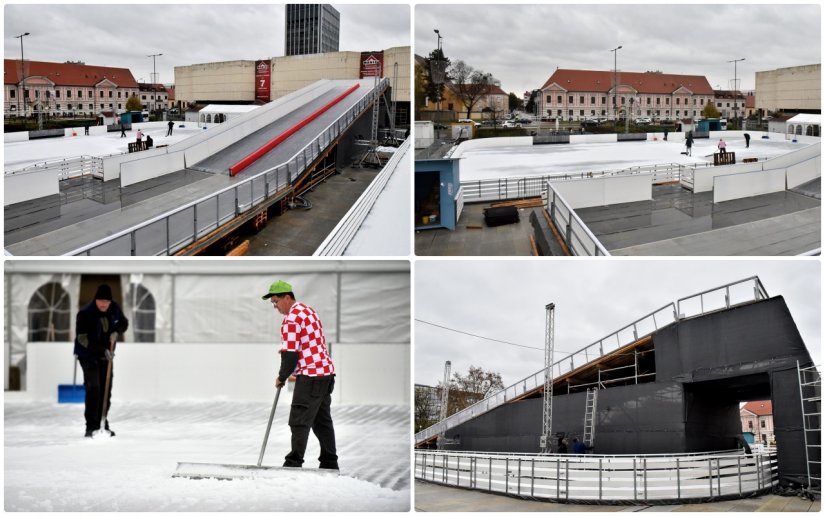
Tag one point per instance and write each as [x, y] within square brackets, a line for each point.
[69, 74]
[760, 408]
[646, 83]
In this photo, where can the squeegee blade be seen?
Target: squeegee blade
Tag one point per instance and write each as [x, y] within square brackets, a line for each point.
[199, 470]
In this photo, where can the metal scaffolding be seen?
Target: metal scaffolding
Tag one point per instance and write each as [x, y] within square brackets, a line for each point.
[547, 411]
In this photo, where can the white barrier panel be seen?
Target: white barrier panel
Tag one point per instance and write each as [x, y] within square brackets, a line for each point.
[489, 143]
[792, 158]
[703, 177]
[803, 172]
[604, 191]
[738, 186]
[19, 136]
[149, 167]
[424, 134]
[593, 138]
[163, 372]
[30, 185]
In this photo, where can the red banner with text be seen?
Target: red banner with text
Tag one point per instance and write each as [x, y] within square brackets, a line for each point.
[263, 76]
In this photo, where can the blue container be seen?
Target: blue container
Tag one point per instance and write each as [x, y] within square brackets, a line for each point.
[71, 394]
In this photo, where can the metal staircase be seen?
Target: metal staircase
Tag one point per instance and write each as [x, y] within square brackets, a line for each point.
[590, 416]
[810, 396]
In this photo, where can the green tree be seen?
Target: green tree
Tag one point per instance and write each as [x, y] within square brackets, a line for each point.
[710, 111]
[133, 104]
[426, 408]
[434, 90]
[514, 102]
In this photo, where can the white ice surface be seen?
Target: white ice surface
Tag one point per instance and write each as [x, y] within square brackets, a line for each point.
[17, 155]
[593, 157]
[50, 466]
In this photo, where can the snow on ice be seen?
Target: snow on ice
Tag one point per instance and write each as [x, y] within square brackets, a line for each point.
[50, 466]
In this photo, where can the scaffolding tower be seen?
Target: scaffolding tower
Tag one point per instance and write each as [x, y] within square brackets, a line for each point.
[810, 395]
[547, 410]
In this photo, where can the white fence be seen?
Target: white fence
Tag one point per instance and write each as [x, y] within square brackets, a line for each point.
[603, 478]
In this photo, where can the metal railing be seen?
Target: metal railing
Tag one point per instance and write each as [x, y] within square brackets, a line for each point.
[628, 334]
[577, 236]
[602, 478]
[169, 232]
[723, 297]
[336, 243]
[65, 168]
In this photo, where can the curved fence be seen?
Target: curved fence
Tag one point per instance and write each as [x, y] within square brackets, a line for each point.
[335, 244]
[172, 231]
[66, 168]
[577, 236]
[605, 479]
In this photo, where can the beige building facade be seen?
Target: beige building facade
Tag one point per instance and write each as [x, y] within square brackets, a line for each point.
[234, 81]
[794, 89]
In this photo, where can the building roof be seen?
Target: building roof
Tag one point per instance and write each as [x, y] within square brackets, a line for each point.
[750, 101]
[68, 74]
[805, 118]
[649, 83]
[759, 408]
[147, 86]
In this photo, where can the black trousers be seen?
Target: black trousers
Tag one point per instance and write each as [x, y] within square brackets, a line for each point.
[94, 379]
[311, 411]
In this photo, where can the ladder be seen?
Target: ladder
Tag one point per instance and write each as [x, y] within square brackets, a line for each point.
[590, 416]
[810, 395]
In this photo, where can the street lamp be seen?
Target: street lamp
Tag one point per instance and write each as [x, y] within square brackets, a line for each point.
[22, 73]
[439, 38]
[154, 78]
[735, 96]
[615, 83]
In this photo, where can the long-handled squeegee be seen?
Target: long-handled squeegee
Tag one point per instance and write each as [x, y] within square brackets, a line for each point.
[199, 470]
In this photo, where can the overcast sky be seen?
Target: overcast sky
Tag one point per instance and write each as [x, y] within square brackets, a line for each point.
[505, 300]
[521, 45]
[123, 35]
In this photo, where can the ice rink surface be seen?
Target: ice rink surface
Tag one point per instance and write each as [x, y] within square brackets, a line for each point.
[487, 163]
[50, 466]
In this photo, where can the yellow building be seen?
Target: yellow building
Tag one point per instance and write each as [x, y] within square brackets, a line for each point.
[795, 89]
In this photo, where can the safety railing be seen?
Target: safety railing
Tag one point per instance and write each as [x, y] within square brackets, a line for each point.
[336, 243]
[577, 236]
[628, 334]
[65, 168]
[169, 232]
[603, 478]
[739, 292]
[519, 187]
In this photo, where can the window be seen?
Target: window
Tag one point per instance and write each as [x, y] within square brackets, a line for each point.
[558, 100]
[604, 100]
[111, 93]
[80, 94]
[558, 113]
[581, 99]
[11, 93]
[69, 106]
[50, 314]
[658, 101]
[750, 424]
[25, 94]
[119, 93]
[570, 113]
[592, 100]
[143, 321]
[549, 99]
[68, 94]
[677, 101]
[667, 101]
[762, 423]
[570, 99]
[57, 94]
[581, 112]
[120, 106]
[143, 97]
[57, 106]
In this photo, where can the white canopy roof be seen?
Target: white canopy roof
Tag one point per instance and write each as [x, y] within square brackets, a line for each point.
[804, 118]
[228, 108]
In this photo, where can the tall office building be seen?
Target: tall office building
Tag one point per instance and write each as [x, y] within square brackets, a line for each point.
[311, 29]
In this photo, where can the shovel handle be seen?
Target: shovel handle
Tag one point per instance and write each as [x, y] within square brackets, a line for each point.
[269, 425]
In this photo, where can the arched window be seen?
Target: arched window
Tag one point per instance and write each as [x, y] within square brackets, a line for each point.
[50, 314]
[143, 306]
[809, 131]
[799, 129]
[208, 118]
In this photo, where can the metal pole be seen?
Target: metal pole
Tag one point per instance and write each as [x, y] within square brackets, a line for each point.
[547, 412]
[22, 101]
[615, 83]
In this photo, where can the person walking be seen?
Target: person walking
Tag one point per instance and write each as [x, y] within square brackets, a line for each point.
[171, 125]
[304, 355]
[689, 143]
[122, 130]
[722, 146]
[139, 135]
[86, 128]
[98, 326]
[747, 141]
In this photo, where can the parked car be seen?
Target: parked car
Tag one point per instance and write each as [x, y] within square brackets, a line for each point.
[468, 121]
[525, 121]
[643, 120]
[509, 124]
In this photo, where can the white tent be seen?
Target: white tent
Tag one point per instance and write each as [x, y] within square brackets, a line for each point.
[807, 124]
[219, 113]
[193, 320]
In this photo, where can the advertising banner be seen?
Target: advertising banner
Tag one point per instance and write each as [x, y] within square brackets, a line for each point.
[263, 74]
[372, 64]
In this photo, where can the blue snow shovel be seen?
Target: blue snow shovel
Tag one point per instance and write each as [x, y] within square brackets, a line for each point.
[73, 393]
[198, 470]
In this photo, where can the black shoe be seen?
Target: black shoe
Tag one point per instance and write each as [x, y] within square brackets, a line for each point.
[111, 432]
[290, 464]
[329, 465]
[89, 433]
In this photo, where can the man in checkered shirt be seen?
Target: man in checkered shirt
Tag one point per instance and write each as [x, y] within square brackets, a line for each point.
[304, 355]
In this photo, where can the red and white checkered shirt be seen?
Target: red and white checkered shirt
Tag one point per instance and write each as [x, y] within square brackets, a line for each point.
[302, 331]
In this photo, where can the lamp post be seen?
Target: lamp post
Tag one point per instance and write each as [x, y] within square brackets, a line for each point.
[438, 34]
[735, 89]
[615, 83]
[22, 74]
[437, 71]
[154, 79]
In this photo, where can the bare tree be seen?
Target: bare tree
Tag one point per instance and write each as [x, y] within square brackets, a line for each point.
[471, 85]
[473, 387]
